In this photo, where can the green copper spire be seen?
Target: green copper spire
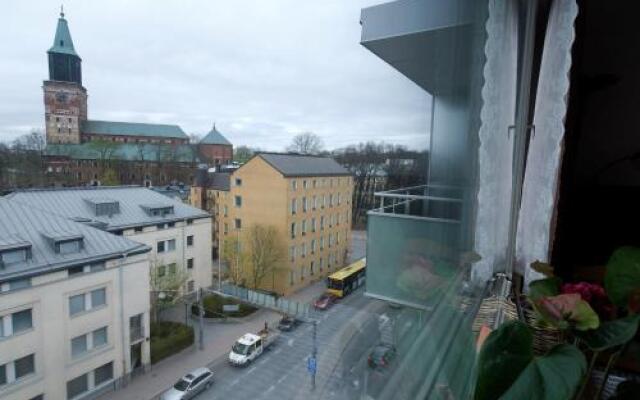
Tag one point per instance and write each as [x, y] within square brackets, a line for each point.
[62, 43]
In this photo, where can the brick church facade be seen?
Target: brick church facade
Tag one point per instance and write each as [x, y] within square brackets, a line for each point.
[83, 151]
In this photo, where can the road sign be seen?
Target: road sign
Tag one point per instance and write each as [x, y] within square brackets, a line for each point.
[311, 365]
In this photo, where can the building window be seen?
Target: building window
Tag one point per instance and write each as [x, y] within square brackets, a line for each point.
[302, 273]
[189, 222]
[190, 263]
[303, 250]
[238, 182]
[322, 222]
[304, 204]
[190, 240]
[304, 227]
[15, 323]
[24, 366]
[136, 328]
[87, 301]
[226, 228]
[313, 224]
[294, 185]
[238, 223]
[225, 210]
[311, 267]
[103, 374]
[321, 264]
[171, 224]
[14, 256]
[77, 386]
[321, 242]
[290, 284]
[292, 253]
[190, 286]
[138, 229]
[238, 201]
[314, 184]
[82, 384]
[166, 246]
[79, 345]
[294, 206]
[315, 202]
[313, 246]
[293, 230]
[304, 184]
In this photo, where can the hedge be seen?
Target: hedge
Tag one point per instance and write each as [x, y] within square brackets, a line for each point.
[168, 338]
[213, 307]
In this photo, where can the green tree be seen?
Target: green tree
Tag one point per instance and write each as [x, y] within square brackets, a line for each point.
[167, 285]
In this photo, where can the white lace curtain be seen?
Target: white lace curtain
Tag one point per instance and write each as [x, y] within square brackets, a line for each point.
[540, 188]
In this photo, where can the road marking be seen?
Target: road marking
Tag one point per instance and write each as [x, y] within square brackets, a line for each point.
[251, 370]
[270, 388]
[277, 351]
[290, 342]
[281, 379]
[235, 382]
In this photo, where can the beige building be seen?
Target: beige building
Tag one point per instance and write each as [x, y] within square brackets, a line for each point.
[74, 306]
[306, 198]
[178, 234]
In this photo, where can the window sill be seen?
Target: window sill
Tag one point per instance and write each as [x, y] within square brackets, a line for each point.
[13, 335]
[90, 354]
[19, 384]
[85, 312]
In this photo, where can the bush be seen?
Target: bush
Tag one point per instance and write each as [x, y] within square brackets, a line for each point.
[213, 307]
[168, 338]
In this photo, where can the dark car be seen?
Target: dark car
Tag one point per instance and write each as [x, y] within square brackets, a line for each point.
[381, 356]
[325, 301]
[288, 323]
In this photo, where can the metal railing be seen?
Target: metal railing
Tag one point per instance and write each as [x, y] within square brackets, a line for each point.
[430, 202]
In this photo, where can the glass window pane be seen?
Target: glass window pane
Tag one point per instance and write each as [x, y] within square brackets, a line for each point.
[21, 321]
[98, 297]
[172, 244]
[69, 247]
[20, 284]
[77, 386]
[76, 304]
[78, 345]
[24, 366]
[14, 256]
[100, 337]
[97, 267]
[3, 374]
[103, 374]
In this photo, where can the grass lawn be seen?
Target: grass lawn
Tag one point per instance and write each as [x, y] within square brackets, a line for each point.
[168, 338]
[213, 307]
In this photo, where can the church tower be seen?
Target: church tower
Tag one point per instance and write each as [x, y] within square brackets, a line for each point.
[65, 99]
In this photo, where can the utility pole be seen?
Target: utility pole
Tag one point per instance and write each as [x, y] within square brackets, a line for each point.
[201, 324]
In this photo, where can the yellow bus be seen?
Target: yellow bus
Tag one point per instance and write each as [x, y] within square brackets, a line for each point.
[348, 279]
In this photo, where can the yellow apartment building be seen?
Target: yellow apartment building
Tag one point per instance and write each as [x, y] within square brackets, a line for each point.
[306, 198]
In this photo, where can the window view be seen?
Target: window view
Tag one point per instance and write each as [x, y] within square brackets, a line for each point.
[387, 199]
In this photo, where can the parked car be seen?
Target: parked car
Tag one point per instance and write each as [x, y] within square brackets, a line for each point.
[190, 385]
[325, 301]
[288, 323]
[381, 356]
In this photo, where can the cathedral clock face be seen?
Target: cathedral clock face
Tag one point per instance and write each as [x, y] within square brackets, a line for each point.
[62, 97]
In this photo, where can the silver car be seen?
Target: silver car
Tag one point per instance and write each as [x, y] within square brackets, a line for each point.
[190, 385]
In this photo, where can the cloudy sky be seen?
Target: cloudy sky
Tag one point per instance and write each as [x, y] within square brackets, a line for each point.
[263, 70]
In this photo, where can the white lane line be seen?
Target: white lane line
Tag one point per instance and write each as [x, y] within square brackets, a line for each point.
[277, 351]
[251, 370]
[235, 382]
[291, 341]
[281, 379]
[270, 388]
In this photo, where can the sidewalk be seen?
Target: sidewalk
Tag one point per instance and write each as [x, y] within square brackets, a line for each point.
[218, 339]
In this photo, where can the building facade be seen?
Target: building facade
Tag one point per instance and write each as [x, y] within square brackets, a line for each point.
[178, 234]
[81, 150]
[307, 199]
[74, 306]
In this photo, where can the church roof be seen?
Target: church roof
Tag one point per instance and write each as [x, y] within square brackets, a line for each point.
[62, 42]
[182, 153]
[215, 137]
[132, 129]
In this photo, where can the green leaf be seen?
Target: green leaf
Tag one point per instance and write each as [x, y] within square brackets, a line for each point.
[611, 333]
[585, 317]
[543, 268]
[544, 288]
[507, 368]
[505, 354]
[623, 275]
[555, 376]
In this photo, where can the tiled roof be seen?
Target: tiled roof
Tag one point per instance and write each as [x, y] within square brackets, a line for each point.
[215, 137]
[62, 42]
[70, 203]
[23, 225]
[132, 129]
[126, 151]
[303, 165]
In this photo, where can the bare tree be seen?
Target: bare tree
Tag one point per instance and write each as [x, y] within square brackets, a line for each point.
[242, 154]
[167, 283]
[194, 138]
[266, 250]
[235, 257]
[306, 143]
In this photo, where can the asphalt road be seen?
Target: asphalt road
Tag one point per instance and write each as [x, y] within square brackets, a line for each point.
[345, 334]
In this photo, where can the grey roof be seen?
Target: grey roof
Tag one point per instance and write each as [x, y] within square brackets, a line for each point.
[215, 137]
[132, 129]
[22, 225]
[62, 42]
[303, 165]
[70, 203]
[214, 180]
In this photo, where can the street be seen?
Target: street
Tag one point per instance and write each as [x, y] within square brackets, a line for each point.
[345, 334]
